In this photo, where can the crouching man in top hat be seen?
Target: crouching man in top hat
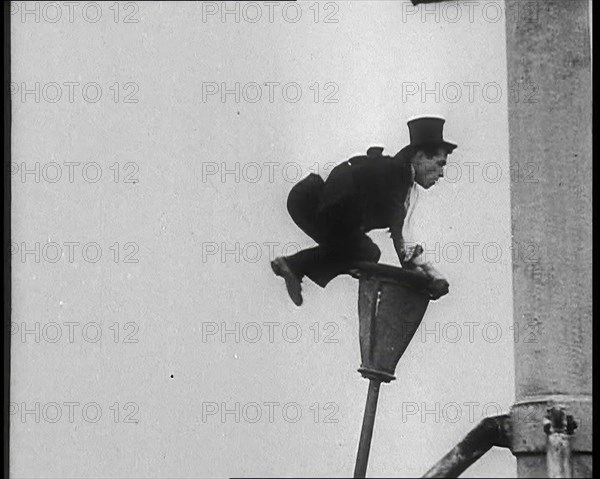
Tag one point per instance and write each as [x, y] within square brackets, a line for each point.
[361, 194]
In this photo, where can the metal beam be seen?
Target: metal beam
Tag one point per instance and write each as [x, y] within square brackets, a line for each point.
[492, 431]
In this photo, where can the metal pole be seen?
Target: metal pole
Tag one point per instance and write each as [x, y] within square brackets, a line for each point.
[559, 428]
[364, 446]
[391, 305]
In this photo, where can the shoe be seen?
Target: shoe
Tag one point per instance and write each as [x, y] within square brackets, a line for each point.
[293, 284]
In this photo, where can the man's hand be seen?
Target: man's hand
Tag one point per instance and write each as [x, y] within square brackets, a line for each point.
[415, 261]
[438, 288]
[410, 256]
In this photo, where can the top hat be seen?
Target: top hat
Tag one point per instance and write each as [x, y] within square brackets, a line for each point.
[428, 131]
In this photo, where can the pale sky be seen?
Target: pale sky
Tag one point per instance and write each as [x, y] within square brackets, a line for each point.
[182, 215]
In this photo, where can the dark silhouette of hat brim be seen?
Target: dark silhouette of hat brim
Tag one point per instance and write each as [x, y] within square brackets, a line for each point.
[450, 146]
[446, 144]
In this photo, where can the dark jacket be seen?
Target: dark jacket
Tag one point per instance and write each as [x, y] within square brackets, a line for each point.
[368, 192]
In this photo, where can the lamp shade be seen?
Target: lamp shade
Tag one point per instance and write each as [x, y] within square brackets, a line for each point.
[390, 313]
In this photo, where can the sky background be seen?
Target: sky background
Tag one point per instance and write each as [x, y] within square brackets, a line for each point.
[181, 216]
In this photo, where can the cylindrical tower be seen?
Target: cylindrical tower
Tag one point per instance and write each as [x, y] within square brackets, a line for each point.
[550, 126]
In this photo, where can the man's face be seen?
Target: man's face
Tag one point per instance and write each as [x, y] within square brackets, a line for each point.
[429, 170]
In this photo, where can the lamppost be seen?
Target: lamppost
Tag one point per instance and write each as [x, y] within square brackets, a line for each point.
[391, 305]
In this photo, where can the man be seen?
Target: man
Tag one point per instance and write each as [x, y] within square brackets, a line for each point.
[361, 194]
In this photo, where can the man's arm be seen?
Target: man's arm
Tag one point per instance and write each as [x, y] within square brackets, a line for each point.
[396, 227]
[412, 258]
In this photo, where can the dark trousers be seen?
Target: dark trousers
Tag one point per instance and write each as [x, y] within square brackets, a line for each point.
[336, 230]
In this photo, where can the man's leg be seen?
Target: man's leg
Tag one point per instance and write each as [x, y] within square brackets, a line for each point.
[333, 259]
[334, 229]
[293, 282]
[328, 260]
[302, 204]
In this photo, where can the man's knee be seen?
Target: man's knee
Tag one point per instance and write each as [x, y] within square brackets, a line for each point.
[303, 200]
[373, 252]
[369, 251]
